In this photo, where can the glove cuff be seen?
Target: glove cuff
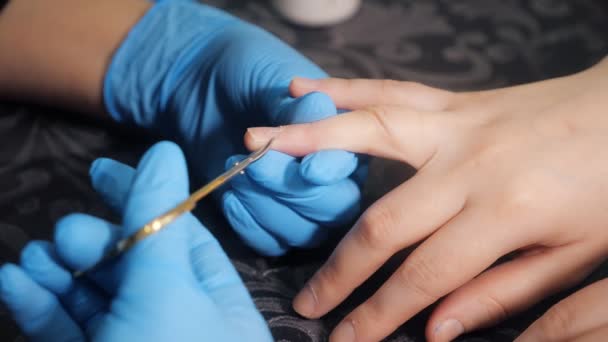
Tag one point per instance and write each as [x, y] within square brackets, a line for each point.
[157, 54]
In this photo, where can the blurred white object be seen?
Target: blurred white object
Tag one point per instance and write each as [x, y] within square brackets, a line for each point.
[316, 13]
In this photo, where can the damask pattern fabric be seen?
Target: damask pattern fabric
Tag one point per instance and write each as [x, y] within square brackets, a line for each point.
[453, 44]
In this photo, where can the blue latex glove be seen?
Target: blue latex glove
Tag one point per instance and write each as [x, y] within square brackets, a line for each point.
[177, 285]
[200, 76]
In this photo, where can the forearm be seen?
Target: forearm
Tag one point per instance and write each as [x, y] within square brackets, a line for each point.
[57, 52]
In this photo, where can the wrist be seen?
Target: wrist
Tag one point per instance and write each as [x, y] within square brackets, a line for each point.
[62, 63]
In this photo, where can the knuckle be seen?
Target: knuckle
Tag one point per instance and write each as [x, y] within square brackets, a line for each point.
[429, 98]
[419, 275]
[389, 90]
[348, 84]
[326, 281]
[365, 319]
[376, 226]
[494, 308]
[518, 200]
[556, 322]
[521, 197]
[379, 117]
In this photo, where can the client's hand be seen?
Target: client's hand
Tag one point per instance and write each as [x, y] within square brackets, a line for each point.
[177, 285]
[581, 317]
[520, 171]
[201, 76]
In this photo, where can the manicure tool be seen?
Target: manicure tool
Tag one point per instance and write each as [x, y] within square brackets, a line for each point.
[161, 222]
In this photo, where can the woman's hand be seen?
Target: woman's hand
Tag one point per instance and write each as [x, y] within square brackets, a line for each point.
[518, 170]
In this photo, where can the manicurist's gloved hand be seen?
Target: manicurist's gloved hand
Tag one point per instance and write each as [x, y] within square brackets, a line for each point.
[177, 285]
[200, 76]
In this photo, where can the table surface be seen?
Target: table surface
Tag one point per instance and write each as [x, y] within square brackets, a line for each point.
[460, 45]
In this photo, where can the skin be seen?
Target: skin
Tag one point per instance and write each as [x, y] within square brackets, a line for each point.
[57, 52]
[509, 171]
[513, 167]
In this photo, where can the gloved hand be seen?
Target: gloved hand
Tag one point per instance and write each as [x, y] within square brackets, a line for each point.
[177, 285]
[200, 77]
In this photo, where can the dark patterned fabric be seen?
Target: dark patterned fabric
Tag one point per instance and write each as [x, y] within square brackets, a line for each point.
[455, 44]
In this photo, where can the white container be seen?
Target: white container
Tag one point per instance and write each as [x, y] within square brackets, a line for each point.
[316, 13]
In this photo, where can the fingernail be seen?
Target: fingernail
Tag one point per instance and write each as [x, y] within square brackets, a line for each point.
[306, 83]
[448, 330]
[306, 301]
[263, 134]
[344, 332]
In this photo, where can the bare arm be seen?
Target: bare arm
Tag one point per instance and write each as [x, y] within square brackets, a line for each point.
[56, 52]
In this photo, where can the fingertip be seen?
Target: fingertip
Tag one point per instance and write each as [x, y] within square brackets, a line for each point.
[37, 311]
[328, 166]
[17, 289]
[39, 261]
[305, 302]
[106, 173]
[10, 276]
[81, 240]
[444, 331]
[301, 85]
[257, 137]
[160, 183]
[94, 166]
[163, 161]
[34, 255]
[445, 322]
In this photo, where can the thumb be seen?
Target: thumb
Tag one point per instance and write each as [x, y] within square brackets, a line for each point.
[385, 131]
[159, 184]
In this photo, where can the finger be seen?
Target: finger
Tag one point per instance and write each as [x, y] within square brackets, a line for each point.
[279, 174]
[572, 316]
[404, 216]
[84, 303]
[359, 93]
[445, 261]
[279, 220]
[248, 229]
[389, 132]
[220, 280]
[112, 180]
[83, 240]
[160, 183]
[595, 335]
[324, 167]
[507, 289]
[36, 310]
[328, 167]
